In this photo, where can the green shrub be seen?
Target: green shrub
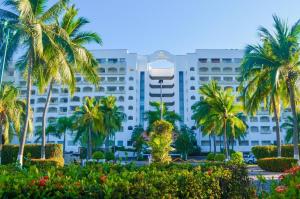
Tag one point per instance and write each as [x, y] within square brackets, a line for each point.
[130, 181]
[109, 156]
[276, 164]
[211, 157]
[10, 152]
[220, 157]
[237, 158]
[271, 151]
[47, 163]
[98, 155]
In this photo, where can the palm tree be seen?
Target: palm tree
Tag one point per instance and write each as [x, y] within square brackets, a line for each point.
[138, 139]
[10, 113]
[223, 110]
[154, 115]
[89, 120]
[36, 25]
[289, 126]
[63, 71]
[112, 118]
[283, 60]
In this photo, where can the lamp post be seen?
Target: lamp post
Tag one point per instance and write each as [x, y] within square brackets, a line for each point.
[6, 36]
[161, 102]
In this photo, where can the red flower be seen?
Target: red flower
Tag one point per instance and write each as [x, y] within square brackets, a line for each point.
[103, 179]
[298, 186]
[42, 182]
[33, 182]
[280, 189]
[46, 177]
[209, 172]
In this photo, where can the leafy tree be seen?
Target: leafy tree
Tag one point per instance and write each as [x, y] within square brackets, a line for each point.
[89, 120]
[11, 110]
[63, 71]
[223, 110]
[283, 48]
[289, 126]
[154, 115]
[185, 141]
[138, 139]
[160, 141]
[35, 22]
[112, 117]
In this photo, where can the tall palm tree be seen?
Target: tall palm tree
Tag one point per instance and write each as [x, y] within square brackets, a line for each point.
[112, 119]
[288, 125]
[283, 46]
[10, 113]
[223, 110]
[89, 120]
[63, 71]
[36, 25]
[154, 115]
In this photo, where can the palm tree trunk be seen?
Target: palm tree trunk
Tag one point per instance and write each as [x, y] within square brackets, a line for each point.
[89, 143]
[278, 136]
[210, 143]
[26, 124]
[295, 120]
[225, 141]
[64, 148]
[215, 144]
[43, 147]
[1, 145]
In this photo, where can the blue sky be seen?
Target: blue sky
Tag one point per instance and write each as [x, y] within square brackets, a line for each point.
[181, 26]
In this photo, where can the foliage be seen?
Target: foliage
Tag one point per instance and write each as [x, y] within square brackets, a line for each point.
[46, 163]
[220, 157]
[271, 151]
[288, 126]
[237, 158]
[116, 181]
[109, 156]
[211, 157]
[160, 141]
[185, 141]
[98, 155]
[276, 164]
[138, 139]
[10, 152]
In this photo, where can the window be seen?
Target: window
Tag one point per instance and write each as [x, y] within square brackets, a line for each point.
[101, 70]
[87, 89]
[112, 70]
[192, 69]
[122, 60]
[112, 60]
[228, 79]
[39, 109]
[265, 129]
[238, 60]
[266, 142]
[253, 119]
[52, 110]
[203, 60]
[32, 92]
[205, 143]
[192, 88]
[78, 79]
[129, 143]
[32, 101]
[192, 78]
[130, 98]
[101, 61]
[121, 108]
[203, 78]
[130, 117]
[121, 99]
[216, 69]
[227, 69]
[122, 70]
[226, 60]
[203, 69]
[41, 100]
[238, 69]
[75, 99]
[120, 142]
[63, 109]
[64, 100]
[216, 78]
[55, 90]
[111, 88]
[254, 129]
[54, 100]
[215, 60]
[39, 119]
[264, 119]
[130, 107]
[131, 88]
[193, 97]
[131, 78]
[64, 91]
[130, 128]
[244, 143]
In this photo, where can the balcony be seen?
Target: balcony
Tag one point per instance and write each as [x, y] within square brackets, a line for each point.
[163, 95]
[161, 77]
[163, 86]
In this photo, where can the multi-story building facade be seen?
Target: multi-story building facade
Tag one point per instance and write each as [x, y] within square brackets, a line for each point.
[135, 81]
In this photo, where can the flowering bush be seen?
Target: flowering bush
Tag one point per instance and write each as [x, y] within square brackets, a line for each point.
[116, 181]
[276, 164]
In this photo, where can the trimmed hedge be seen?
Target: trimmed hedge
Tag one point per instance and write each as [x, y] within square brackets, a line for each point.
[10, 152]
[276, 164]
[47, 163]
[271, 151]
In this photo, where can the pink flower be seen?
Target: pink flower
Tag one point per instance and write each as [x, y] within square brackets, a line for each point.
[281, 189]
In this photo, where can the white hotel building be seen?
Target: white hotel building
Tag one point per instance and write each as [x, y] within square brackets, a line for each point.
[133, 80]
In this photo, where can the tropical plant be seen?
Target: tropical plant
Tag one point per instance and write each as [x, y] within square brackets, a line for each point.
[89, 120]
[160, 141]
[185, 141]
[288, 125]
[112, 118]
[155, 114]
[63, 71]
[222, 110]
[35, 22]
[138, 140]
[11, 110]
[282, 48]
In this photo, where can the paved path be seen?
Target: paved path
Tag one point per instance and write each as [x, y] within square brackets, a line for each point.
[255, 171]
